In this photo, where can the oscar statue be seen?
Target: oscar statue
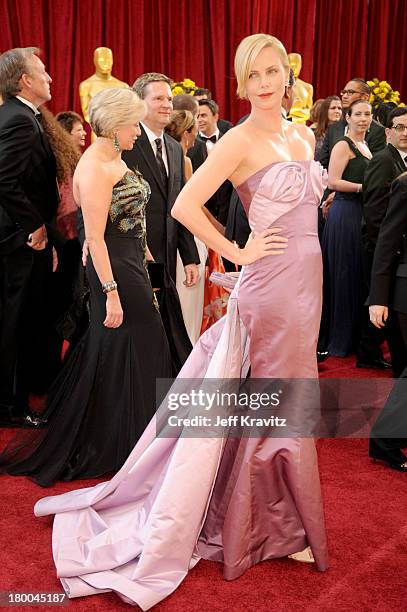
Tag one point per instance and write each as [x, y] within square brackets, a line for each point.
[303, 92]
[102, 79]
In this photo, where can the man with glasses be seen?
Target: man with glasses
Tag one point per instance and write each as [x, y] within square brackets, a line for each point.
[356, 89]
[383, 169]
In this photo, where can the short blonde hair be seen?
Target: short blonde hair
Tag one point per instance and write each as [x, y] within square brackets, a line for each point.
[247, 52]
[113, 108]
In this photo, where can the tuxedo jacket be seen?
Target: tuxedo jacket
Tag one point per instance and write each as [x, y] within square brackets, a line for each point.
[164, 234]
[28, 189]
[218, 204]
[237, 226]
[389, 272]
[375, 138]
[224, 125]
[384, 167]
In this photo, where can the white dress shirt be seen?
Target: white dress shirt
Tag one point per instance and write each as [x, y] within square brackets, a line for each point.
[209, 144]
[152, 137]
[29, 104]
[403, 155]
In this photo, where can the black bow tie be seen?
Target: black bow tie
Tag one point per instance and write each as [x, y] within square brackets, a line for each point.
[212, 138]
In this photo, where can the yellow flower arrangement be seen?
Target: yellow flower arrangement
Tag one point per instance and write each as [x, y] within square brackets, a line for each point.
[382, 91]
[177, 90]
[186, 86]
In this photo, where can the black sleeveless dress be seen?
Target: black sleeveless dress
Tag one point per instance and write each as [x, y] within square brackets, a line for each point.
[342, 258]
[104, 397]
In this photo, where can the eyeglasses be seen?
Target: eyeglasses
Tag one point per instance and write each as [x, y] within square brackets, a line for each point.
[349, 92]
[399, 128]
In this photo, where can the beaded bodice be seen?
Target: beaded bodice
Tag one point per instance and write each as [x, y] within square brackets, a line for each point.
[127, 212]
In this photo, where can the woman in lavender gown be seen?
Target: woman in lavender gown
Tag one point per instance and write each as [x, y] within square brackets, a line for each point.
[237, 501]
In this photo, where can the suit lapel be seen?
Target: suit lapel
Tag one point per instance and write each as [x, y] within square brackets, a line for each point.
[401, 166]
[169, 147]
[36, 121]
[204, 149]
[146, 150]
[340, 127]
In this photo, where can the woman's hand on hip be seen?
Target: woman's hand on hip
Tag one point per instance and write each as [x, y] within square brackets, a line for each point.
[267, 243]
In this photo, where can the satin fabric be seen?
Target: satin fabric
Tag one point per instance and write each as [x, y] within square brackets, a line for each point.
[236, 501]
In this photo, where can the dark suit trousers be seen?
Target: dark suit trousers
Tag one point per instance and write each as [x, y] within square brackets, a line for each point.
[390, 429]
[29, 345]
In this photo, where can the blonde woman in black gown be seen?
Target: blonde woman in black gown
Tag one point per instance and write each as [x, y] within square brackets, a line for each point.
[105, 395]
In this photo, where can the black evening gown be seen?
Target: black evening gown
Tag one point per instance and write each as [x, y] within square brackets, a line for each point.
[342, 257]
[104, 397]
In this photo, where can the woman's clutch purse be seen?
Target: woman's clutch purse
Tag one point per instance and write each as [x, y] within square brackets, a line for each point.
[227, 280]
[156, 274]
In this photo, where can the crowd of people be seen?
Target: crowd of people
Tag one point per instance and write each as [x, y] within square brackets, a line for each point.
[166, 195]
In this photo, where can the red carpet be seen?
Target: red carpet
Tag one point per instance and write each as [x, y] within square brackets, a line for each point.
[366, 518]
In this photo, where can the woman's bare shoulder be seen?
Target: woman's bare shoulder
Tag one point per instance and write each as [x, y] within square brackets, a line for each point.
[91, 167]
[341, 147]
[303, 131]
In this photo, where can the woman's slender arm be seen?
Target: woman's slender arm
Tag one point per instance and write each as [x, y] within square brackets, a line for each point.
[220, 165]
[94, 188]
[337, 164]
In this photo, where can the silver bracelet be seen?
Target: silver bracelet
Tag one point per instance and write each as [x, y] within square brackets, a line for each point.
[109, 286]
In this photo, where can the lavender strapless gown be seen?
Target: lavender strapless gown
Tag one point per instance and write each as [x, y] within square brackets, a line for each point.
[236, 501]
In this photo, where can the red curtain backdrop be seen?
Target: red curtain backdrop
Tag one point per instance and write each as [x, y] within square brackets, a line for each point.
[197, 39]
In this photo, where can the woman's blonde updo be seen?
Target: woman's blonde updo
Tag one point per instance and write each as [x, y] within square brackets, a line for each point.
[247, 52]
[113, 108]
[181, 121]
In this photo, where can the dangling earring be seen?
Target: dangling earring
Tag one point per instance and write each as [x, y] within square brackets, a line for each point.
[116, 143]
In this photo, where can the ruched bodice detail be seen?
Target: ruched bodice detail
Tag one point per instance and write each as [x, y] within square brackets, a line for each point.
[278, 188]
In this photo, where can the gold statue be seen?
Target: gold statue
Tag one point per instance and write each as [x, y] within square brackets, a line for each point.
[303, 92]
[102, 79]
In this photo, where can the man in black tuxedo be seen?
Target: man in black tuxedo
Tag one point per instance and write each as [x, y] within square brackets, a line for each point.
[28, 204]
[389, 288]
[389, 271]
[385, 166]
[160, 160]
[209, 133]
[191, 104]
[204, 94]
[355, 89]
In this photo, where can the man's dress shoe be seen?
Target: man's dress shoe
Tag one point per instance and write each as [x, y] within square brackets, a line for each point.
[374, 364]
[322, 356]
